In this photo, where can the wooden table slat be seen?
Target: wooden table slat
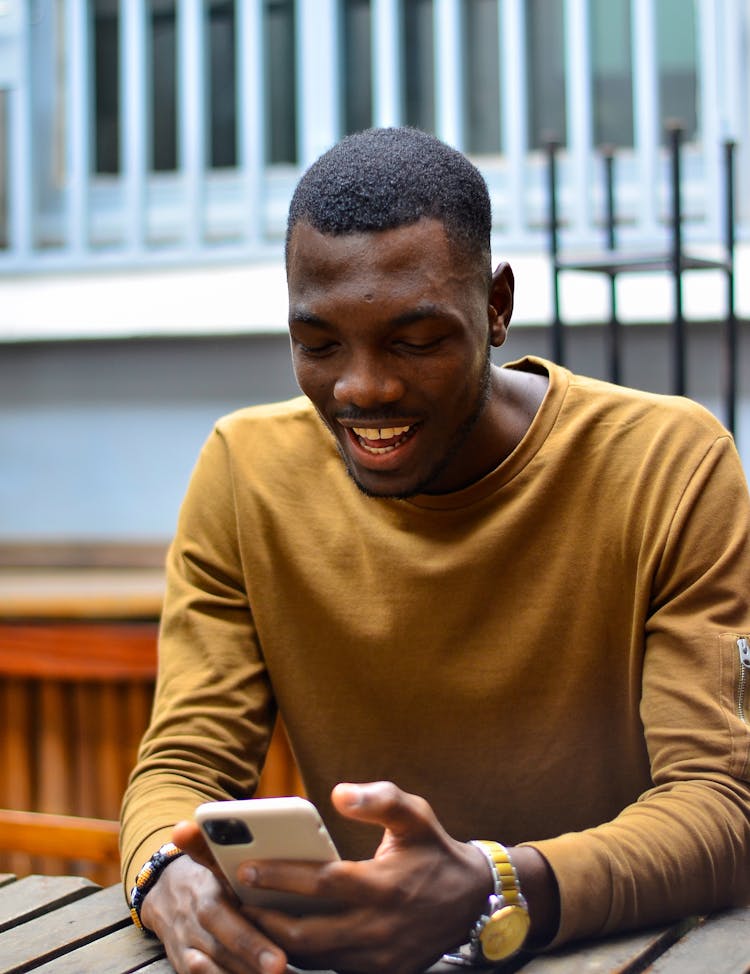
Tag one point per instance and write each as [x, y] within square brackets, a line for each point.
[622, 954]
[121, 952]
[53, 935]
[31, 944]
[721, 946]
[509, 966]
[34, 896]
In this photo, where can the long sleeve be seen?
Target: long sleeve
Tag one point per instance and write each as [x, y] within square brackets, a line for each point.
[213, 710]
[682, 848]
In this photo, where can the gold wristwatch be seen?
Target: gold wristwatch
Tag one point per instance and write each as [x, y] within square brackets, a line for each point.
[504, 925]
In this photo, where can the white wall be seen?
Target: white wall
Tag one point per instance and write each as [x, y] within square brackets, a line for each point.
[97, 439]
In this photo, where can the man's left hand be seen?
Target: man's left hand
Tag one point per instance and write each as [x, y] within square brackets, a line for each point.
[399, 911]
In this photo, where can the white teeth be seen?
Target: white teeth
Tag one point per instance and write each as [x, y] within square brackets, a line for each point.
[391, 433]
[385, 433]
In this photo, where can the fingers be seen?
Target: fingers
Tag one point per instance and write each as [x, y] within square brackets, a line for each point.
[193, 960]
[188, 837]
[362, 939]
[341, 942]
[406, 817]
[239, 946]
[306, 886]
[246, 951]
[202, 930]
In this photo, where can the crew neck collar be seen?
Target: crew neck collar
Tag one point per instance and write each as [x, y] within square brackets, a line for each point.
[523, 453]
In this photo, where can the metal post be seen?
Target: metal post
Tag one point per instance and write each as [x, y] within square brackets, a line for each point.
[674, 132]
[614, 323]
[731, 321]
[557, 328]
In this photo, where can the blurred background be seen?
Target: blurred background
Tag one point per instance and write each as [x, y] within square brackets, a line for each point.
[148, 150]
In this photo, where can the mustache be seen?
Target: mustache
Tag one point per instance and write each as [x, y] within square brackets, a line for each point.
[353, 414]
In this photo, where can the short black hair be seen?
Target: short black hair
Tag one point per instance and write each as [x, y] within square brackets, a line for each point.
[383, 178]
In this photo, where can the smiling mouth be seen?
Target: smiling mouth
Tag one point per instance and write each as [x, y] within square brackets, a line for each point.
[385, 439]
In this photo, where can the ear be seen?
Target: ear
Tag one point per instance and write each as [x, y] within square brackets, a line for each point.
[500, 309]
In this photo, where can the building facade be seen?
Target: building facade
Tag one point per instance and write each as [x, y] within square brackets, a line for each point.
[159, 131]
[148, 150]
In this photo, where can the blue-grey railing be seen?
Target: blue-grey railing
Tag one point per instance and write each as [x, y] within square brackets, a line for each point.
[57, 211]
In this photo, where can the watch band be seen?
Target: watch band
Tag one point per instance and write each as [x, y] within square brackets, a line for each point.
[503, 926]
[505, 877]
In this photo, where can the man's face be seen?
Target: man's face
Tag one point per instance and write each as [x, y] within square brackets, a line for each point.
[390, 341]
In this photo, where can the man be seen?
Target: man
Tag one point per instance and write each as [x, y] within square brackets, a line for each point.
[517, 609]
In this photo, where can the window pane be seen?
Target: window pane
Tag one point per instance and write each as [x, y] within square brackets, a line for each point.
[611, 62]
[106, 86]
[678, 80]
[481, 66]
[163, 86]
[222, 83]
[280, 81]
[545, 79]
[356, 64]
[418, 55]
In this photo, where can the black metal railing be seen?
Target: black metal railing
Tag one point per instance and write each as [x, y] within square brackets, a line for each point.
[673, 259]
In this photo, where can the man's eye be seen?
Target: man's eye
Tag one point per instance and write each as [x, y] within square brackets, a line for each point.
[417, 346]
[320, 349]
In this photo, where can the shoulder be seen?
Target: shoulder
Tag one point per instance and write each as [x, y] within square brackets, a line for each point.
[292, 424]
[262, 454]
[647, 420]
[666, 446]
[281, 442]
[600, 408]
[270, 418]
[625, 433]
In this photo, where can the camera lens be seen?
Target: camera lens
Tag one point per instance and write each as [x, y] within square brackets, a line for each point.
[228, 831]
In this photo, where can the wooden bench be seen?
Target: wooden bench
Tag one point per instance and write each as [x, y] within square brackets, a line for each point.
[94, 840]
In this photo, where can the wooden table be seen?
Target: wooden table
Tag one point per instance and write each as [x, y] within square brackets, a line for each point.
[69, 925]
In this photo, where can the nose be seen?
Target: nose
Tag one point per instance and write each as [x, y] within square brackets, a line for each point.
[367, 382]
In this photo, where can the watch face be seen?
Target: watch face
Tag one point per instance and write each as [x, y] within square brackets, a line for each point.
[504, 932]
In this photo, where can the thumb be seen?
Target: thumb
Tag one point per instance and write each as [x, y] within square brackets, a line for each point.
[188, 837]
[408, 818]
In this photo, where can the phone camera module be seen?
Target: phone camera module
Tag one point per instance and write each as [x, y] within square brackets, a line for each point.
[228, 831]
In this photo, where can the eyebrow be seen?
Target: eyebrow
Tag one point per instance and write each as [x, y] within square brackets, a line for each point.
[422, 311]
[307, 318]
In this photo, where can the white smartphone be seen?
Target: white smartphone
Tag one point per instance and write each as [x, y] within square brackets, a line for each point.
[267, 828]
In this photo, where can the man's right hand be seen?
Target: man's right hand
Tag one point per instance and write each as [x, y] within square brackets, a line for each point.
[198, 919]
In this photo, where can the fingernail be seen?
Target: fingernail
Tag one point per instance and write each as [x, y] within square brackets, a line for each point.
[352, 795]
[268, 961]
[248, 875]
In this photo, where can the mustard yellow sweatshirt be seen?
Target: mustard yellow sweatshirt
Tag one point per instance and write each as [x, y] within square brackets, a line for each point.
[551, 655]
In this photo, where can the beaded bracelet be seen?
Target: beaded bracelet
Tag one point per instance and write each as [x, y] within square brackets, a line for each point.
[150, 872]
